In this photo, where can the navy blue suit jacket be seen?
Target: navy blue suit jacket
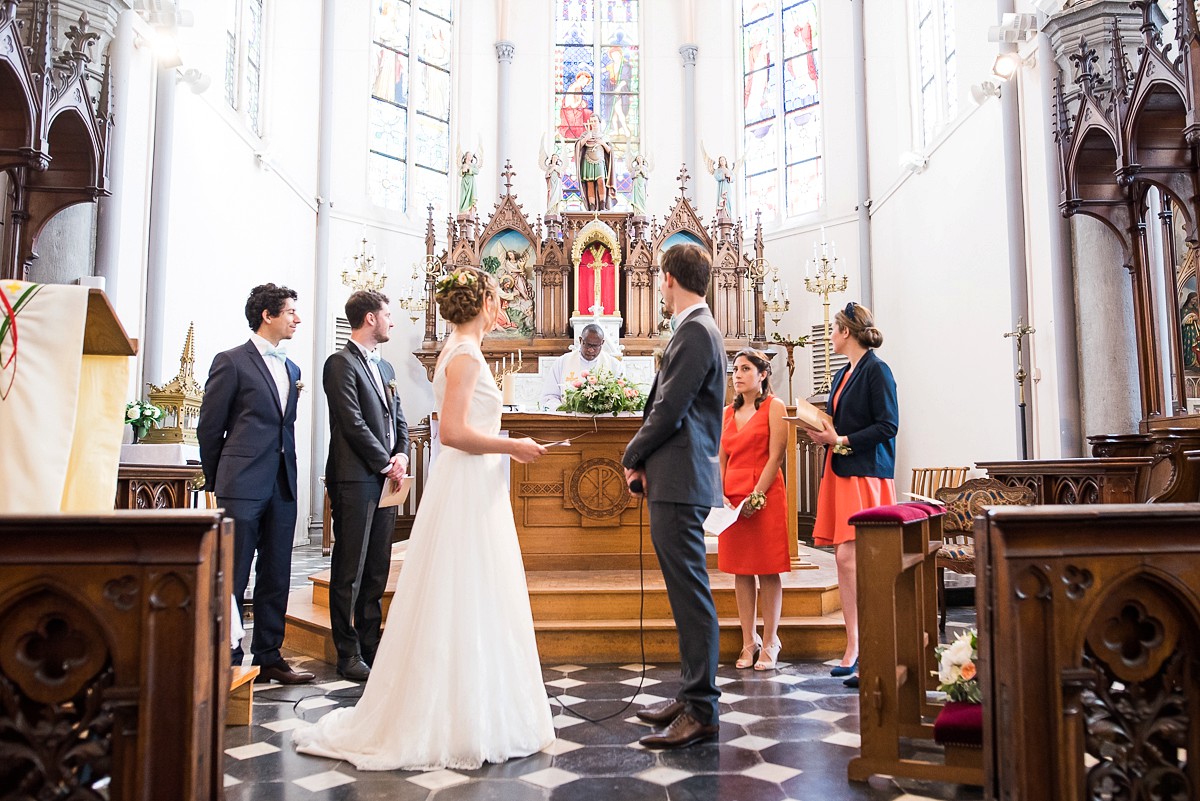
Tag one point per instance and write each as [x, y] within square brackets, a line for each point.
[868, 415]
[681, 425]
[242, 431]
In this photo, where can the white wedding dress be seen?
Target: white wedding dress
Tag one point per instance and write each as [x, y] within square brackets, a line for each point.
[456, 681]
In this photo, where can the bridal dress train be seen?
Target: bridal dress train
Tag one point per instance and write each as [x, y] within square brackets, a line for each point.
[456, 681]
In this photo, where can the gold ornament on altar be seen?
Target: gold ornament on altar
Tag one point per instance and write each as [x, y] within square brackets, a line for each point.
[180, 400]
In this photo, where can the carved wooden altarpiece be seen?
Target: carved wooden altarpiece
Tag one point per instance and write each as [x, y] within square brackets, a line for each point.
[559, 245]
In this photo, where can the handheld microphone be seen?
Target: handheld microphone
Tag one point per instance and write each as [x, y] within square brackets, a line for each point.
[635, 486]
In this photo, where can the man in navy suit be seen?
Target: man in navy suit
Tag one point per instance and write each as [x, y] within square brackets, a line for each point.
[674, 456]
[368, 444]
[247, 433]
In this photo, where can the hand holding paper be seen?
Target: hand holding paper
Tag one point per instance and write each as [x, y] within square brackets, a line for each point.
[394, 492]
[721, 517]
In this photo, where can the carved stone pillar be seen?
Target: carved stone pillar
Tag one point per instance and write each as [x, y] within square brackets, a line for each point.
[688, 53]
[504, 57]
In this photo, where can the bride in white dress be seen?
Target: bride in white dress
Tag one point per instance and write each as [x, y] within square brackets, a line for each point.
[456, 681]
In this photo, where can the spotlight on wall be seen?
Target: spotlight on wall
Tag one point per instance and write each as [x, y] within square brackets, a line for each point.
[197, 80]
[1006, 65]
[980, 92]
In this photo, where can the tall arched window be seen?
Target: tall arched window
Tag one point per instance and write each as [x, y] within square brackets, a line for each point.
[244, 60]
[782, 141]
[408, 165]
[937, 76]
[597, 72]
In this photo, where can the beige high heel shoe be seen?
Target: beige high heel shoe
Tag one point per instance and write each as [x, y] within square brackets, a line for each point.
[768, 656]
[746, 657]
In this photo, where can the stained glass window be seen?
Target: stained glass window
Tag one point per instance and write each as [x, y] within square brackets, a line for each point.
[408, 166]
[936, 72]
[781, 103]
[597, 73]
[244, 37]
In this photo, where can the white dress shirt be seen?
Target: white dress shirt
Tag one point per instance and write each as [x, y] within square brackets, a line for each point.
[276, 367]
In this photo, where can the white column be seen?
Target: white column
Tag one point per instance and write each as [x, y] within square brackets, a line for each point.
[504, 56]
[160, 223]
[688, 53]
[108, 215]
[858, 48]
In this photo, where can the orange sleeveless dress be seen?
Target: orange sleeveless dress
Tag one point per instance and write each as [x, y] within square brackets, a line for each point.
[755, 545]
[842, 496]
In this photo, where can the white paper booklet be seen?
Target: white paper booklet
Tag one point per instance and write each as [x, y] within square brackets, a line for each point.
[925, 498]
[720, 518]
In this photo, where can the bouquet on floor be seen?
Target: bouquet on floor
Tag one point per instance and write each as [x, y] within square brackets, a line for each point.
[601, 392]
[957, 669]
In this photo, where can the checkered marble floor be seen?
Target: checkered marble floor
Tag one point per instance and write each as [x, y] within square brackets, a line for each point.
[785, 734]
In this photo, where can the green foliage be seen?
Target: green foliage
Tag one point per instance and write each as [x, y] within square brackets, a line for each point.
[601, 392]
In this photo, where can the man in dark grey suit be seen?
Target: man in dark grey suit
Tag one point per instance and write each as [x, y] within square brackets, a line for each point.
[247, 434]
[674, 457]
[368, 444]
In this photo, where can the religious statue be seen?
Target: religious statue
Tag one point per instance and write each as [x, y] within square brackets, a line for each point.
[552, 163]
[594, 160]
[639, 169]
[468, 168]
[723, 174]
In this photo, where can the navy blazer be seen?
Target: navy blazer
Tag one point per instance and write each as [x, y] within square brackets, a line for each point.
[359, 417]
[681, 424]
[868, 415]
[243, 433]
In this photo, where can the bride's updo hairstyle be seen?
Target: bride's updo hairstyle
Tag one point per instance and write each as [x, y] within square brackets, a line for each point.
[857, 321]
[460, 293]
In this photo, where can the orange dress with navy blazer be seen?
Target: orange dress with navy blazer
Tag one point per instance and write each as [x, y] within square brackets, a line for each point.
[842, 496]
[755, 545]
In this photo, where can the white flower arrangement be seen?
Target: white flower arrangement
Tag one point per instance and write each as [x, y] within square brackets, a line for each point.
[957, 671]
[143, 416]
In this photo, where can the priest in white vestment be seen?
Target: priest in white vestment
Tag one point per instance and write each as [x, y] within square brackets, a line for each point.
[568, 368]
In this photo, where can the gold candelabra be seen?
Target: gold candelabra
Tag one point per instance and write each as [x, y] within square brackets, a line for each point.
[365, 275]
[824, 283]
[415, 300]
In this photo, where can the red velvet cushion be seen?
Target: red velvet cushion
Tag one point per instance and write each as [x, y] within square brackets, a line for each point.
[959, 723]
[932, 509]
[900, 513]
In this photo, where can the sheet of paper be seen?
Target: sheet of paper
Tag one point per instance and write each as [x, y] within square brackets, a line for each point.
[394, 492]
[925, 498]
[720, 518]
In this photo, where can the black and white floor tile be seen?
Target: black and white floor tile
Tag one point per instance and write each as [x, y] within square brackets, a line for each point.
[785, 734]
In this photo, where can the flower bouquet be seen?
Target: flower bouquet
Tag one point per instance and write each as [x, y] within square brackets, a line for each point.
[601, 392]
[143, 416]
[956, 668]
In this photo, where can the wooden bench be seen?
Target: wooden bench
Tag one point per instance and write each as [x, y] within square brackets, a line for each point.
[897, 613]
[241, 695]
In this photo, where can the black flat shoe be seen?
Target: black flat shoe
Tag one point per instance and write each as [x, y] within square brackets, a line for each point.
[851, 682]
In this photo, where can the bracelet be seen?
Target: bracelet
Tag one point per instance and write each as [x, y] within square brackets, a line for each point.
[756, 500]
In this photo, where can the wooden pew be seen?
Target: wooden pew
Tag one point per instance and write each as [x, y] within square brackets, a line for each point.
[115, 628]
[897, 611]
[1089, 643]
[241, 695]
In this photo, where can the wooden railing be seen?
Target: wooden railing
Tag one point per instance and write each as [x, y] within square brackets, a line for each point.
[1089, 624]
[803, 463]
[1074, 481]
[114, 655]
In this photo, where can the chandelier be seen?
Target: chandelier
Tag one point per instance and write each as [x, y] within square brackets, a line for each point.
[364, 275]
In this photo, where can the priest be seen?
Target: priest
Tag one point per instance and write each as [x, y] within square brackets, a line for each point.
[569, 368]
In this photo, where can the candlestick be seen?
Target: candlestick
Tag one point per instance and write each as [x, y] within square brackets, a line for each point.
[824, 283]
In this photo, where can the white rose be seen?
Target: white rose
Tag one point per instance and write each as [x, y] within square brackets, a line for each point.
[960, 651]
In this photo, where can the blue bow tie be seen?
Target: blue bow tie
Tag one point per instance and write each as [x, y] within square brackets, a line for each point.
[276, 353]
[674, 324]
[373, 358]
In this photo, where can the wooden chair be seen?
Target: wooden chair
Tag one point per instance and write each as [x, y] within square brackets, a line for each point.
[928, 480]
[963, 503]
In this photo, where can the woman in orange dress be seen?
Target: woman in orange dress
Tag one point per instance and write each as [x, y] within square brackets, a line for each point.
[753, 439]
[860, 462]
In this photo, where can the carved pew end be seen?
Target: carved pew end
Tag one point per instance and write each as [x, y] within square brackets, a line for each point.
[241, 695]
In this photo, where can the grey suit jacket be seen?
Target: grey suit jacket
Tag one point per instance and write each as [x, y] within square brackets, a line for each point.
[681, 425]
[243, 433]
[359, 417]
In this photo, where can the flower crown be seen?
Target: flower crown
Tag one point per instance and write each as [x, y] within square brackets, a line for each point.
[461, 277]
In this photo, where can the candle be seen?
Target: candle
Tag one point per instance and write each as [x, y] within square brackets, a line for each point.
[806, 267]
[835, 250]
[785, 291]
[822, 235]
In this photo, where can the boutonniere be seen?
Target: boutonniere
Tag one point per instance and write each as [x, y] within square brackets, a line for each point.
[392, 385]
[299, 386]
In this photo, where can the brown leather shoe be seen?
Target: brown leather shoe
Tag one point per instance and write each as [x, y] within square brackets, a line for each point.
[685, 730]
[282, 672]
[661, 714]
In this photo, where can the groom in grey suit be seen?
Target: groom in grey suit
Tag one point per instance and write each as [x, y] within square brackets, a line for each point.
[368, 444]
[673, 458]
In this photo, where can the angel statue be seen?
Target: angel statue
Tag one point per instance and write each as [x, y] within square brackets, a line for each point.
[639, 169]
[468, 167]
[552, 164]
[723, 174]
